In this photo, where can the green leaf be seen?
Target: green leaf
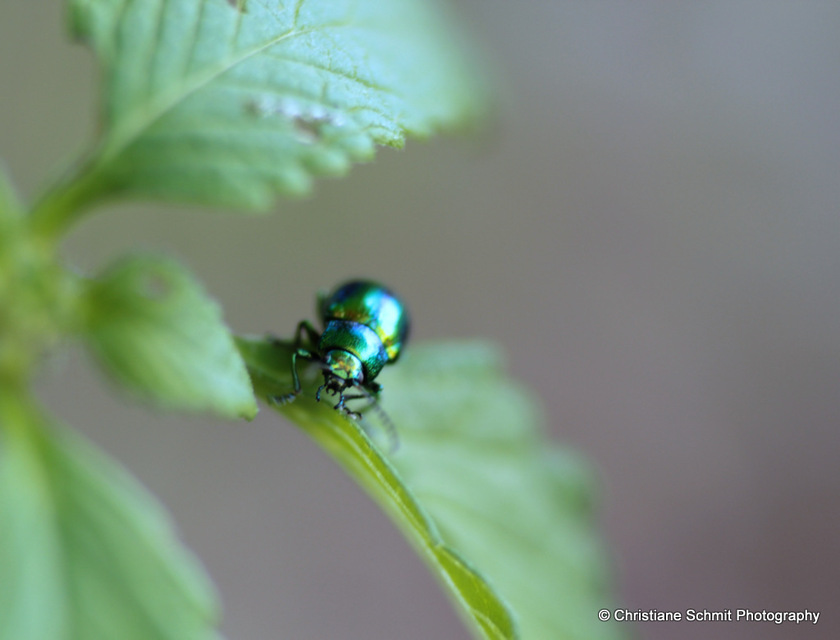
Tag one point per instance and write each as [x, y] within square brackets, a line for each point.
[86, 553]
[226, 102]
[157, 333]
[473, 481]
[521, 509]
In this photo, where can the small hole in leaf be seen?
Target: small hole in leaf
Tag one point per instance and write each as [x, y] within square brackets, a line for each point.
[308, 130]
[155, 286]
[308, 120]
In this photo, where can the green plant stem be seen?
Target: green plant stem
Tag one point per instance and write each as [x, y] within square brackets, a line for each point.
[37, 300]
[66, 201]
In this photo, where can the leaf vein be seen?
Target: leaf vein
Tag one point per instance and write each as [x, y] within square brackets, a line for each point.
[336, 72]
[128, 133]
[114, 35]
[298, 7]
[193, 39]
[154, 47]
[240, 84]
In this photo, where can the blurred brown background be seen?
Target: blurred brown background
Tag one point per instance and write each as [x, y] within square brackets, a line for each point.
[651, 229]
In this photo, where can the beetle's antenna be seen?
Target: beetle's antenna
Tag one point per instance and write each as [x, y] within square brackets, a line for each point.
[385, 418]
[390, 428]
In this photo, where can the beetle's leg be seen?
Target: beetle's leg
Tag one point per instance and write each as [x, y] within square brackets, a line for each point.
[368, 391]
[304, 326]
[340, 406]
[314, 337]
[334, 385]
[338, 386]
[373, 389]
[295, 379]
[296, 388]
[311, 333]
[329, 385]
[321, 302]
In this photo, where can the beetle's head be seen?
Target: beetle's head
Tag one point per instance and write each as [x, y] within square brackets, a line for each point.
[342, 366]
[341, 371]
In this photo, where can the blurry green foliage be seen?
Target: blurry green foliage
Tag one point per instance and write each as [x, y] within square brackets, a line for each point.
[502, 518]
[157, 333]
[232, 103]
[85, 551]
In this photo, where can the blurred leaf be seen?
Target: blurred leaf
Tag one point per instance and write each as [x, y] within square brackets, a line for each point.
[227, 102]
[362, 459]
[474, 479]
[158, 334]
[521, 509]
[86, 553]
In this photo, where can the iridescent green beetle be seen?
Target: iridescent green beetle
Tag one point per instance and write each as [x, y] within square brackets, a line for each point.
[365, 328]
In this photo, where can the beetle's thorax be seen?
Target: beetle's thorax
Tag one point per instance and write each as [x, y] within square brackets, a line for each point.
[352, 350]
